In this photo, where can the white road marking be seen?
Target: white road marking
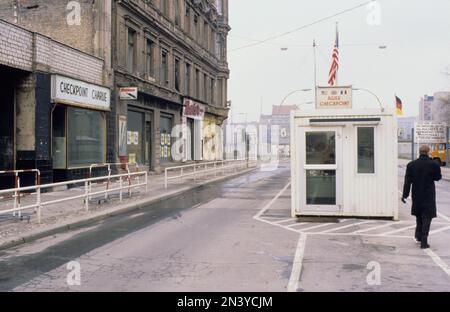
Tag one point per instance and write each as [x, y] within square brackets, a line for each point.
[445, 228]
[366, 235]
[374, 228]
[297, 264]
[285, 221]
[298, 223]
[438, 260]
[278, 225]
[347, 226]
[443, 216]
[266, 207]
[316, 226]
[399, 230]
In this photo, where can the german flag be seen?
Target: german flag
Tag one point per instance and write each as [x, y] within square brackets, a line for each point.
[399, 105]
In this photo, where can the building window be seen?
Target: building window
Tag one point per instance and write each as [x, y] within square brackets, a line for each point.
[149, 58]
[196, 28]
[219, 6]
[164, 68]
[131, 50]
[212, 91]
[176, 8]
[366, 150]
[197, 83]
[212, 41]
[218, 47]
[187, 21]
[86, 137]
[205, 88]
[164, 6]
[188, 79]
[205, 34]
[177, 75]
[220, 92]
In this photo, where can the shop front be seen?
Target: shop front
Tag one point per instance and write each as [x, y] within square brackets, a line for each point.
[7, 125]
[139, 136]
[193, 118]
[78, 126]
[212, 138]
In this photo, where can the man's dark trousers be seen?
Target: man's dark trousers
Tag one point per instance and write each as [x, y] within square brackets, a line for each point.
[423, 223]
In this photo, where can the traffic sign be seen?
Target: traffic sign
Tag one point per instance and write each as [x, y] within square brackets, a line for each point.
[130, 93]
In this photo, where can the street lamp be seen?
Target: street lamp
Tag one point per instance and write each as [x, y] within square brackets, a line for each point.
[304, 103]
[378, 99]
[295, 91]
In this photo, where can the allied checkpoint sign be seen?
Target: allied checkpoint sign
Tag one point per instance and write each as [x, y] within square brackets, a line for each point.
[334, 97]
[429, 132]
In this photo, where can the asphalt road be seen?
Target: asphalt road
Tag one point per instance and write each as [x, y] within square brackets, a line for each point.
[235, 236]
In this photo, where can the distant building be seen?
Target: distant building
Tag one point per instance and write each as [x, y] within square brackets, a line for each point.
[435, 108]
[440, 109]
[280, 117]
[425, 108]
[405, 126]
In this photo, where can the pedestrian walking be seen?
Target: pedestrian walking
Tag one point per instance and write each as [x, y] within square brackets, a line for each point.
[421, 174]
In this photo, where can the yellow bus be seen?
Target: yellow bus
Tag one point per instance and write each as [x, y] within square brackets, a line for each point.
[438, 153]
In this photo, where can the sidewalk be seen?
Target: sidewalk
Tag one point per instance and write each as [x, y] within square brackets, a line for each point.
[444, 170]
[72, 214]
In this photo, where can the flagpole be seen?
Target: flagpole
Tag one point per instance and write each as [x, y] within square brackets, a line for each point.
[315, 72]
[337, 43]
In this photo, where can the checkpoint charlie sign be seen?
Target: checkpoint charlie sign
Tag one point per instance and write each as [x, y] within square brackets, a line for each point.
[79, 93]
[334, 97]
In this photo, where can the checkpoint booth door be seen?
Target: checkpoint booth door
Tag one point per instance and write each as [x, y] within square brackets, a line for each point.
[321, 167]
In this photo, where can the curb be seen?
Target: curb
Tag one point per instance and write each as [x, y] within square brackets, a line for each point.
[96, 217]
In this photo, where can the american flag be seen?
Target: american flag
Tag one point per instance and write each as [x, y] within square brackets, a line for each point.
[332, 78]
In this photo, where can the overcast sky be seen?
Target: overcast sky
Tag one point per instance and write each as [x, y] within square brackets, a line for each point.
[416, 34]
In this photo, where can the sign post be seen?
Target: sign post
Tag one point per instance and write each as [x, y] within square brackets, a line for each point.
[447, 146]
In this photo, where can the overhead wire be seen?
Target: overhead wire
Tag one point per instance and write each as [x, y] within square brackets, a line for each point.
[301, 27]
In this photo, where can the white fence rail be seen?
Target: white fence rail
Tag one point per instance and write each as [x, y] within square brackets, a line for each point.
[206, 169]
[88, 192]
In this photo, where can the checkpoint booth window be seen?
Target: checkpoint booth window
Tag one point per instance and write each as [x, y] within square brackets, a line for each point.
[344, 162]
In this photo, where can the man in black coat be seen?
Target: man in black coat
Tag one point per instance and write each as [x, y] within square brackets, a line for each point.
[422, 173]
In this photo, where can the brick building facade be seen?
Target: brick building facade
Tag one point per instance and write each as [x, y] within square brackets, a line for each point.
[28, 63]
[172, 51]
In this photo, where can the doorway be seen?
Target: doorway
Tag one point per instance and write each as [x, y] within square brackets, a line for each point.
[148, 144]
[321, 175]
[190, 139]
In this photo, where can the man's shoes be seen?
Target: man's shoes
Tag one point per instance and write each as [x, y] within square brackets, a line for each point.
[424, 243]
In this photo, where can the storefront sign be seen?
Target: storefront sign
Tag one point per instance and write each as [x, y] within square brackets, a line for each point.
[429, 132]
[193, 110]
[128, 93]
[334, 97]
[78, 93]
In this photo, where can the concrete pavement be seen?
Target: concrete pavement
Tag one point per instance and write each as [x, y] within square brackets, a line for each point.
[71, 214]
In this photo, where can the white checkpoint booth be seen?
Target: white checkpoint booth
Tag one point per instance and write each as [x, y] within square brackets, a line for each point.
[344, 163]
